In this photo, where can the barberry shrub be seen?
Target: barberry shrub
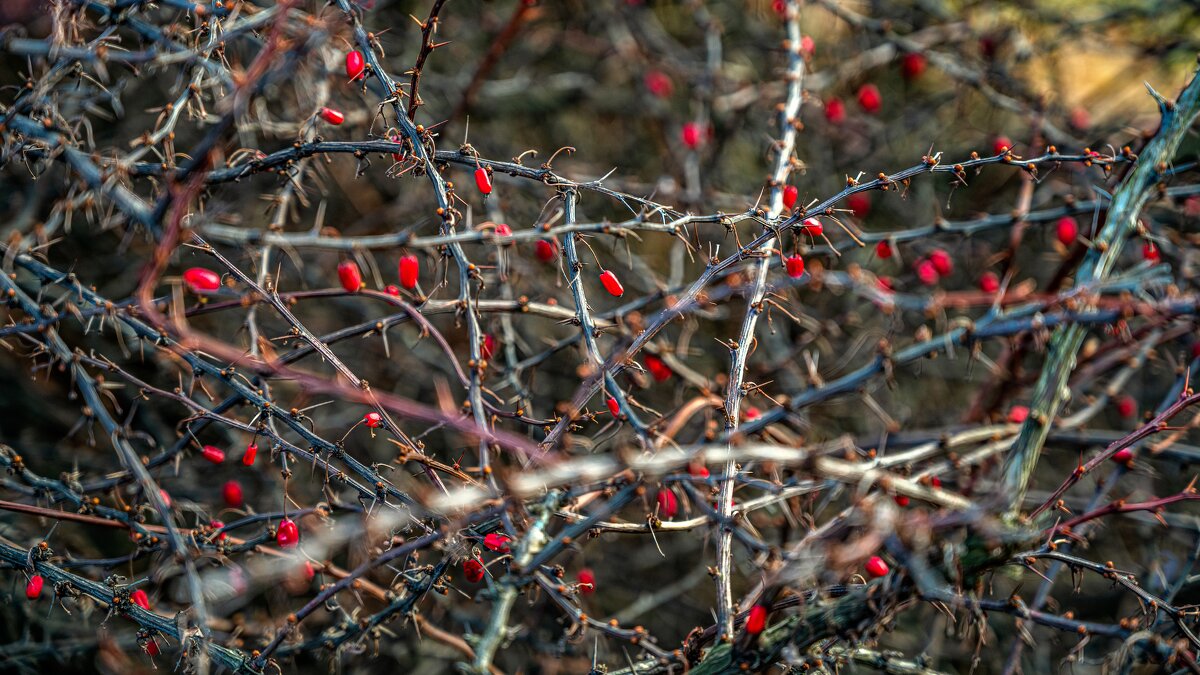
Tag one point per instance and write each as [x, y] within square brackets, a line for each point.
[638, 337]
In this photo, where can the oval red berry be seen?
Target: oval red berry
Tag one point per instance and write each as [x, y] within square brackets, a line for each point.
[33, 588]
[355, 65]
[795, 266]
[612, 284]
[288, 534]
[334, 117]
[213, 454]
[349, 275]
[483, 181]
[473, 571]
[250, 454]
[756, 620]
[410, 268]
[231, 492]
[201, 280]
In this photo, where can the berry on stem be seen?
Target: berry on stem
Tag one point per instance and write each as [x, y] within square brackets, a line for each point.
[349, 275]
[473, 570]
[250, 454]
[613, 406]
[373, 420]
[392, 289]
[355, 65]
[668, 504]
[587, 581]
[795, 266]
[1150, 252]
[213, 454]
[1001, 145]
[33, 588]
[334, 117]
[611, 283]
[1123, 456]
[692, 134]
[288, 535]
[790, 194]
[201, 280]
[483, 180]
[139, 598]
[807, 46]
[1018, 414]
[883, 250]
[488, 348]
[658, 368]
[495, 541]
[813, 227]
[876, 567]
[756, 620]
[410, 268]
[545, 250]
[1126, 407]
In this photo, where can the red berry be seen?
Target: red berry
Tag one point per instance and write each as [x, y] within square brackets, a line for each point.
[139, 598]
[410, 267]
[503, 230]
[151, 647]
[613, 406]
[1001, 145]
[752, 414]
[658, 84]
[927, 273]
[941, 262]
[497, 542]
[876, 567]
[668, 504]
[483, 180]
[545, 250]
[473, 570]
[1123, 456]
[698, 470]
[213, 454]
[232, 493]
[813, 227]
[33, 589]
[166, 497]
[289, 534]
[1018, 414]
[835, 111]
[587, 581]
[693, 135]
[250, 454]
[883, 249]
[392, 289]
[756, 620]
[884, 284]
[1066, 229]
[488, 348]
[790, 195]
[309, 572]
[780, 7]
[1126, 407]
[869, 98]
[334, 117]
[355, 65]
[612, 284]
[807, 46]
[1150, 252]
[795, 266]
[901, 500]
[349, 275]
[658, 368]
[201, 280]
[217, 525]
[989, 282]
[935, 481]
[912, 66]
[859, 204]
[373, 420]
